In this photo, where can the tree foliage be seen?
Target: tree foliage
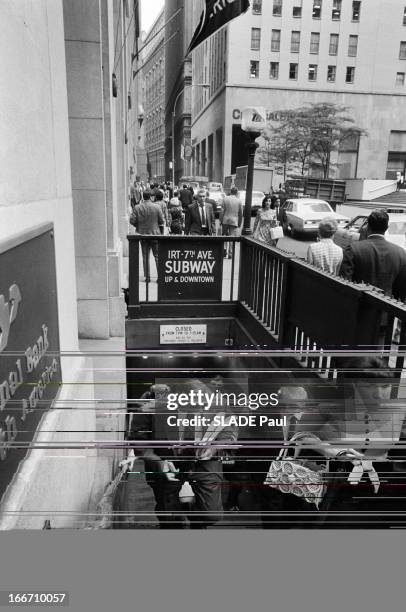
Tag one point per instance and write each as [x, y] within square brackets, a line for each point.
[307, 137]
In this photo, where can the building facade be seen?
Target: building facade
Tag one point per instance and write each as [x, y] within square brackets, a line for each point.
[179, 27]
[153, 59]
[284, 54]
[69, 135]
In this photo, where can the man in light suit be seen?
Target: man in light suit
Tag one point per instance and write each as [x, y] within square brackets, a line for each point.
[200, 217]
[148, 220]
[231, 217]
[375, 260]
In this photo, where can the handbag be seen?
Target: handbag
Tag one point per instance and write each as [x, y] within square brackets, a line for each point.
[292, 476]
[276, 232]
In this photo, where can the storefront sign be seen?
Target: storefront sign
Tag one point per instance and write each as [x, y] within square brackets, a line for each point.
[30, 372]
[190, 271]
[183, 334]
[270, 115]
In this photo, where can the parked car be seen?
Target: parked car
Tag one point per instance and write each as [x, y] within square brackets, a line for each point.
[217, 195]
[257, 197]
[303, 215]
[356, 229]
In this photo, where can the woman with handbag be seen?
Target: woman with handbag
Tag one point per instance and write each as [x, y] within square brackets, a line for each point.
[357, 437]
[266, 225]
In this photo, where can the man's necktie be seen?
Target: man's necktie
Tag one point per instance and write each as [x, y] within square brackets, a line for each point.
[202, 215]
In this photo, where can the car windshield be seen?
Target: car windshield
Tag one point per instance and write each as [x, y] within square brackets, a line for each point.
[257, 194]
[216, 188]
[397, 227]
[319, 207]
[357, 223]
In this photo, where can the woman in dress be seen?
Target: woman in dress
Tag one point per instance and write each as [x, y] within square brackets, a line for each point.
[176, 215]
[265, 221]
[360, 437]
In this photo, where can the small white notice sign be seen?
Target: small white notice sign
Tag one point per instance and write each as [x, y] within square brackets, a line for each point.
[183, 334]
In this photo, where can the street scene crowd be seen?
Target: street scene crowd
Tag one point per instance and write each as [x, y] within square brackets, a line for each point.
[330, 459]
[160, 209]
[349, 439]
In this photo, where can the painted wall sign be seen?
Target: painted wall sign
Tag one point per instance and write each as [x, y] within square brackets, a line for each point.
[183, 334]
[190, 271]
[30, 372]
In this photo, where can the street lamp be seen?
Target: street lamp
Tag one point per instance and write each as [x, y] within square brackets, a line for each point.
[253, 121]
[205, 86]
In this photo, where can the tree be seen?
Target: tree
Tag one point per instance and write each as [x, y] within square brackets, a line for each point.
[308, 136]
[330, 126]
[278, 147]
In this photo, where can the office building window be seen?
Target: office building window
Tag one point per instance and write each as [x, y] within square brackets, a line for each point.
[257, 7]
[297, 8]
[352, 46]
[349, 75]
[295, 42]
[314, 42]
[277, 8]
[316, 9]
[400, 78]
[356, 10]
[336, 12]
[276, 40]
[254, 69]
[255, 38]
[333, 48]
[293, 71]
[331, 73]
[274, 70]
[404, 16]
[402, 50]
[312, 74]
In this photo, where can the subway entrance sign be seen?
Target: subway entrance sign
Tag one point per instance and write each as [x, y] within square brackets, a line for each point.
[190, 271]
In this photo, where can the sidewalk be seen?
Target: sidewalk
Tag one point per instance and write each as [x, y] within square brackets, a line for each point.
[105, 360]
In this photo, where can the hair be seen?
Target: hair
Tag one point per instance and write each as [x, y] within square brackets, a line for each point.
[159, 196]
[146, 195]
[184, 186]
[233, 190]
[378, 221]
[327, 228]
[266, 198]
[363, 369]
[366, 367]
[175, 193]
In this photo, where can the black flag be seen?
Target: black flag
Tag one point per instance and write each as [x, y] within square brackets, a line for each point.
[215, 15]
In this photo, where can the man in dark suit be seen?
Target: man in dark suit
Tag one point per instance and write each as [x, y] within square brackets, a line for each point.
[375, 260]
[185, 197]
[200, 217]
[148, 219]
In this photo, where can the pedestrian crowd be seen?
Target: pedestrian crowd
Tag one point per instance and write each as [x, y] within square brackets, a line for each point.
[161, 209]
[374, 260]
[330, 459]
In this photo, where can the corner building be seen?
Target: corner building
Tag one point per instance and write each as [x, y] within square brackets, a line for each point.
[283, 54]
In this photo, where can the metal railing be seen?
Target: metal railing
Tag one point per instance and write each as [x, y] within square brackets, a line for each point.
[300, 307]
